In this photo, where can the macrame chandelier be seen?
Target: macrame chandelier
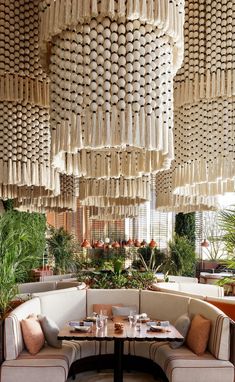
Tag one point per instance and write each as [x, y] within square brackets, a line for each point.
[205, 102]
[204, 164]
[111, 65]
[66, 200]
[25, 162]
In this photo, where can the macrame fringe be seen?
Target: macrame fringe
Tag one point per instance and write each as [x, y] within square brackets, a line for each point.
[45, 204]
[59, 15]
[105, 164]
[16, 88]
[209, 86]
[205, 178]
[166, 202]
[120, 129]
[17, 178]
[114, 212]
[131, 188]
[109, 202]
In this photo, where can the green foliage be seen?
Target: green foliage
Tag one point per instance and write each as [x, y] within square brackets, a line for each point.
[227, 224]
[60, 246]
[185, 226]
[182, 257]
[111, 280]
[22, 244]
[151, 259]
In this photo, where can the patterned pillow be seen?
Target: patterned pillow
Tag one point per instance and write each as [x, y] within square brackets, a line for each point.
[50, 330]
[32, 334]
[182, 325]
[198, 334]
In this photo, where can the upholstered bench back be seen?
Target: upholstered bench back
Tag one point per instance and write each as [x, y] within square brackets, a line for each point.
[163, 306]
[127, 297]
[64, 305]
[14, 343]
[219, 342]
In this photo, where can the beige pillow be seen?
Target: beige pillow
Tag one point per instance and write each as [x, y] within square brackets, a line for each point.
[32, 334]
[97, 308]
[198, 334]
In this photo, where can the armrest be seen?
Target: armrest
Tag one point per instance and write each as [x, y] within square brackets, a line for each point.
[232, 342]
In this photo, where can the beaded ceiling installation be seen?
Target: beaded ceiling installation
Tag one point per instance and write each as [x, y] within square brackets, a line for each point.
[25, 164]
[111, 68]
[204, 117]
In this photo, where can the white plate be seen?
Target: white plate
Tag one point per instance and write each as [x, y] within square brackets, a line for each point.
[81, 328]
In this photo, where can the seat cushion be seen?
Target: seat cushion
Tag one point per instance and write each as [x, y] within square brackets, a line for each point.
[183, 365]
[48, 365]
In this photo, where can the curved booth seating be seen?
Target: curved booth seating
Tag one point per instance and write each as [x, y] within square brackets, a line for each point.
[27, 289]
[189, 289]
[179, 364]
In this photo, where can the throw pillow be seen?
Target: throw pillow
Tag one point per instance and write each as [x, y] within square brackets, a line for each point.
[50, 330]
[182, 325]
[124, 311]
[105, 308]
[198, 334]
[32, 334]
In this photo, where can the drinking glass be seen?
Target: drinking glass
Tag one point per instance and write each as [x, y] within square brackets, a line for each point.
[99, 322]
[132, 319]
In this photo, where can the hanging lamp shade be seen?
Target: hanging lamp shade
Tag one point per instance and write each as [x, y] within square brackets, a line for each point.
[205, 102]
[111, 68]
[152, 244]
[205, 243]
[86, 244]
[25, 162]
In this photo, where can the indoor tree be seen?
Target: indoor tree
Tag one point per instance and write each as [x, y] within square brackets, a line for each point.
[60, 247]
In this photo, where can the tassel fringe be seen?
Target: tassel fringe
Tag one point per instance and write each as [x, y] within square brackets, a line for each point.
[16, 88]
[209, 86]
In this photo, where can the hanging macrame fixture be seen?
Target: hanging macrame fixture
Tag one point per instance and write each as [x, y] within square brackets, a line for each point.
[204, 132]
[205, 102]
[25, 139]
[111, 66]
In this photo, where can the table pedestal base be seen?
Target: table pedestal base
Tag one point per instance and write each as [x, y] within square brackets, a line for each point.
[118, 360]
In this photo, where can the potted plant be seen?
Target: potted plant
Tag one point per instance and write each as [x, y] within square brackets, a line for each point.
[182, 258]
[60, 247]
